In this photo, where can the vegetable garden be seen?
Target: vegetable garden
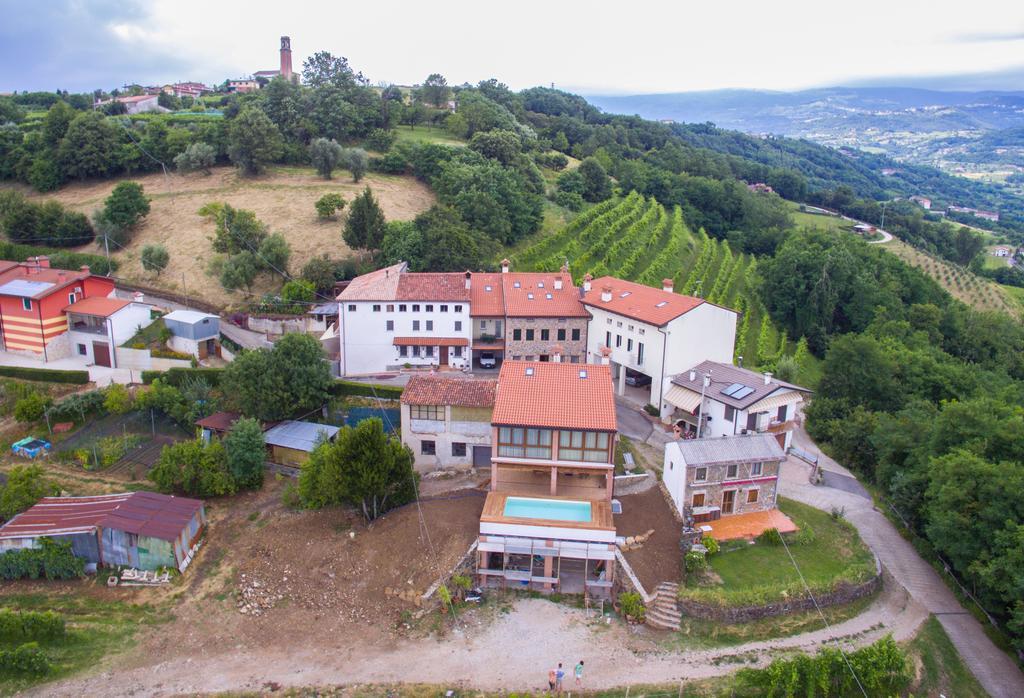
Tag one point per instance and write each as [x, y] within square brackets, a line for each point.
[638, 239]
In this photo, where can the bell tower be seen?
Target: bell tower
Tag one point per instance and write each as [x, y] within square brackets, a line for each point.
[286, 58]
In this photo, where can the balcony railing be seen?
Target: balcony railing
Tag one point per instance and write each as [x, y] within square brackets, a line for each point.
[88, 328]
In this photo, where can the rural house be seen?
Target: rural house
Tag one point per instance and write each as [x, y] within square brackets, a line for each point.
[446, 422]
[194, 333]
[547, 520]
[145, 530]
[732, 476]
[98, 326]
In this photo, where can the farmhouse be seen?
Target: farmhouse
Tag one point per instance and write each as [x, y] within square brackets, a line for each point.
[136, 104]
[923, 202]
[289, 443]
[194, 333]
[733, 401]
[1001, 251]
[547, 522]
[446, 422]
[145, 530]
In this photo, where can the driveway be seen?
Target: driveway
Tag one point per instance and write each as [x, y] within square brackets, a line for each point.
[996, 671]
[100, 375]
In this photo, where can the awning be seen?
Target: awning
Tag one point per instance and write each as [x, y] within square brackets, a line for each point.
[489, 346]
[774, 401]
[683, 398]
[431, 342]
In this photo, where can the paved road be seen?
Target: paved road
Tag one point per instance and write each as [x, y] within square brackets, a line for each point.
[997, 672]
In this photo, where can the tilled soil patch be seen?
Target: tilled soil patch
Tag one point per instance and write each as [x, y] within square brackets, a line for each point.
[659, 558]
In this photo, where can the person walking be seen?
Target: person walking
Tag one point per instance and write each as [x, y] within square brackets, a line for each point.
[578, 671]
[559, 677]
[552, 679]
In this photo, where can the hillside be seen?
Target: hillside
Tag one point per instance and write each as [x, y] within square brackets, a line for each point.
[283, 199]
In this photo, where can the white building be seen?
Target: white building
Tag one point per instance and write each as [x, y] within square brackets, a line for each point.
[735, 400]
[390, 318]
[446, 421]
[97, 326]
[653, 333]
[193, 332]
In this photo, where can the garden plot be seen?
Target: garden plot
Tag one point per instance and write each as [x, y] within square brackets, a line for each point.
[128, 444]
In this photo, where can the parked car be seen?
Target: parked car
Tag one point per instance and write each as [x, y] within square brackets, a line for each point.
[488, 360]
[637, 380]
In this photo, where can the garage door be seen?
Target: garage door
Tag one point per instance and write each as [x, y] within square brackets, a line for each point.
[481, 456]
[101, 354]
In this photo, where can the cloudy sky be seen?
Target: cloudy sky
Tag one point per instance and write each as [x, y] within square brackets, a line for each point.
[596, 46]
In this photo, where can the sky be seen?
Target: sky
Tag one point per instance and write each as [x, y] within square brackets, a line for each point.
[591, 47]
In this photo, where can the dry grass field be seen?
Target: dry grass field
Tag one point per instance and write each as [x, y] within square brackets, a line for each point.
[283, 199]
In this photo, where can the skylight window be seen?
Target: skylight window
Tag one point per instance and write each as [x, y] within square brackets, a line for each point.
[516, 284]
[548, 296]
[529, 296]
[529, 370]
[624, 294]
[583, 373]
[540, 284]
[662, 304]
[488, 288]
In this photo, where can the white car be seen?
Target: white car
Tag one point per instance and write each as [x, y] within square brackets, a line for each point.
[487, 360]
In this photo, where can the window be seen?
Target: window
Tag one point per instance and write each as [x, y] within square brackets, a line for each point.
[82, 351]
[458, 449]
[589, 446]
[756, 468]
[26, 303]
[428, 448]
[576, 335]
[517, 442]
[389, 325]
[783, 411]
[618, 323]
[376, 307]
[629, 344]
[71, 299]
[402, 307]
[457, 352]
[609, 321]
[403, 350]
[751, 496]
[731, 470]
[529, 335]
[415, 325]
[351, 308]
[574, 359]
[607, 339]
[430, 325]
[618, 341]
[639, 352]
[698, 499]
[415, 307]
[545, 335]
[458, 308]
[561, 335]
[751, 421]
[483, 324]
[430, 308]
[458, 325]
[629, 327]
[444, 308]
[643, 331]
[517, 335]
[390, 307]
[700, 474]
[435, 412]
[730, 413]
[428, 351]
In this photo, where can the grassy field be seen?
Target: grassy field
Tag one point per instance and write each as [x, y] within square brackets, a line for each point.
[813, 220]
[938, 666]
[991, 262]
[427, 134]
[283, 199]
[744, 573]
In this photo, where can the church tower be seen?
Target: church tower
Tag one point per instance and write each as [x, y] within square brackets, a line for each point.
[286, 58]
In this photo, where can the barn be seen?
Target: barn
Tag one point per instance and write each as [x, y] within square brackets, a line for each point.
[145, 530]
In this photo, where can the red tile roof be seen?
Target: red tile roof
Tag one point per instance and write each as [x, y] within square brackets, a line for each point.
[441, 390]
[50, 275]
[643, 303]
[430, 342]
[487, 299]
[145, 513]
[379, 285]
[555, 396]
[533, 294]
[426, 286]
[98, 306]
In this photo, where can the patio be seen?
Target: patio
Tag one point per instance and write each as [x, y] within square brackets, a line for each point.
[748, 525]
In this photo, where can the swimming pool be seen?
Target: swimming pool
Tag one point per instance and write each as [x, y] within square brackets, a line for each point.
[552, 509]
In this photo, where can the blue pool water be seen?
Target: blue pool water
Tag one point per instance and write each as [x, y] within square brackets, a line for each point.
[556, 509]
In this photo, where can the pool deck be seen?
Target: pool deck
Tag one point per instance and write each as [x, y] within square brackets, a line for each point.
[600, 513]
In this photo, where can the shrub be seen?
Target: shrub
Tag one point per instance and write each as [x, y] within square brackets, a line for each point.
[770, 536]
[328, 205]
[197, 156]
[31, 407]
[381, 140]
[48, 375]
[30, 625]
[837, 513]
[387, 392]
[155, 258]
[52, 560]
[569, 200]
[392, 163]
[77, 406]
[117, 399]
[632, 606]
[178, 376]
[695, 561]
[651, 410]
[356, 161]
[26, 485]
[25, 659]
[711, 544]
[806, 535]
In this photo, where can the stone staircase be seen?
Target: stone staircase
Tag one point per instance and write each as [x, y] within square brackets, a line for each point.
[663, 611]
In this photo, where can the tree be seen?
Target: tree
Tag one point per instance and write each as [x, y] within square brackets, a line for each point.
[195, 469]
[364, 228]
[597, 186]
[292, 378]
[253, 141]
[239, 271]
[274, 254]
[298, 291]
[364, 466]
[448, 244]
[435, 91]
[323, 69]
[356, 161]
[403, 242]
[499, 145]
[246, 453]
[26, 485]
[325, 155]
[125, 206]
[196, 157]
[238, 230]
[89, 148]
[322, 272]
[56, 122]
[117, 399]
[31, 408]
[329, 204]
[155, 258]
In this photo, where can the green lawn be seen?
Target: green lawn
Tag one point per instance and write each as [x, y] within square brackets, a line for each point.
[991, 262]
[623, 446]
[426, 134]
[813, 220]
[744, 573]
[942, 670]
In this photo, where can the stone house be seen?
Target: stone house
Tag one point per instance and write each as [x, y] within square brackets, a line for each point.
[446, 421]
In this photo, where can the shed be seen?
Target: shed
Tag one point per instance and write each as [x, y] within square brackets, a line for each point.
[290, 442]
[146, 530]
[193, 332]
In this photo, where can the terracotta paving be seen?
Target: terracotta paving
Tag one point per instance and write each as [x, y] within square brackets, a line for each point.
[749, 525]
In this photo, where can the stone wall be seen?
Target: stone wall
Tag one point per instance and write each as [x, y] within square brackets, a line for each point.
[540, 347]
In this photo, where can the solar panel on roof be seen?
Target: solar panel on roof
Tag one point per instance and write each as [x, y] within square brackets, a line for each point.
[742, 393]
[729, 390]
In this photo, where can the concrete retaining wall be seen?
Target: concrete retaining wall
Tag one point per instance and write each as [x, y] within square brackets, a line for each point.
[142, 360]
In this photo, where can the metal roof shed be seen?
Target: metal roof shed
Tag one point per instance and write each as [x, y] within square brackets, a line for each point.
[299, 436]
[192, 324]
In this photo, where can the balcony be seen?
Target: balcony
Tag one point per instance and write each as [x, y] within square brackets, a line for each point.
[88, 327]
[777, 427]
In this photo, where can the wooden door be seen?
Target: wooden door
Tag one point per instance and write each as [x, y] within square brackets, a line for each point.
[442, 360]
[728, 501]
[101, 354]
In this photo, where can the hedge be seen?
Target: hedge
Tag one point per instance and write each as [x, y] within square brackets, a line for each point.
[30, 625]
[59, 259]
[25, 659]
[48, 375]
[178, 375]
[51, 560]
[388, 392]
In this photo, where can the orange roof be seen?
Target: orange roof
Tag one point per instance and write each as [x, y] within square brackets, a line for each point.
[426, 286]
[732, 526]
[58, 278]
[533, 294]
[379, 285]
[643, 303]
[555, 395]
[487, 299]
[97, 305]
[440, 390]
[431, 342]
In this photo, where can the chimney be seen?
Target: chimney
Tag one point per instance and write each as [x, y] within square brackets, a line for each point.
[666, 285]
[504, 265]
[606, 294]
[85, 268]
[587, 278]
[693, 376]
[139, 297]
[556, 353]
[43, 261]
[469, 279]
[606, 353]
[558, 283]
[767, 378]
